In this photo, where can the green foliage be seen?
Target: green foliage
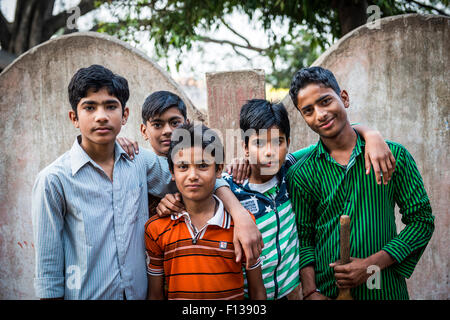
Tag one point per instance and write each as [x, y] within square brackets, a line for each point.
[312, 25]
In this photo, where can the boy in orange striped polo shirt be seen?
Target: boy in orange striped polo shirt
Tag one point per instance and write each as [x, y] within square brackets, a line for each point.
[194, 249]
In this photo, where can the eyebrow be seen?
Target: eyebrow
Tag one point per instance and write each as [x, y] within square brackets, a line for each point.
[111, 101]
[170, 119]
[317, 101]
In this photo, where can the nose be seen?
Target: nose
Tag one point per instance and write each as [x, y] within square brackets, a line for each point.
[101, 115]
[167, 129]
[268, 151]
[192, 175]
[321, 114]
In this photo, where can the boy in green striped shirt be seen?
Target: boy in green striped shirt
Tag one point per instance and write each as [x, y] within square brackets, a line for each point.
[330, 181]
[265, 131]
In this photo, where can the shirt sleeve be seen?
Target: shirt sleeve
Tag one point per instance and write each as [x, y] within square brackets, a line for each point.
[293, 157]
[220, 182]
[415, 208]
[155, 266]
[303, 205]
[47, 210]
[159, 178]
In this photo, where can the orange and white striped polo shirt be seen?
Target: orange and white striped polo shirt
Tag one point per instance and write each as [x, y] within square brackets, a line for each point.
[196, 264]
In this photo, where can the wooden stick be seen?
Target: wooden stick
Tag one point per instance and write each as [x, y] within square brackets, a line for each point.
[344, 239]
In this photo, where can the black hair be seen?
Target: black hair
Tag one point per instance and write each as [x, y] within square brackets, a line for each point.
[190, 135]
[317, 75]
[260, 114]
[158, 102]
[97, 77]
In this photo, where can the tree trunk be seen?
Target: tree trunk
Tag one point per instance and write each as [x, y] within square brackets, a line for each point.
[352, 14]
[33, 24]
[28, 24]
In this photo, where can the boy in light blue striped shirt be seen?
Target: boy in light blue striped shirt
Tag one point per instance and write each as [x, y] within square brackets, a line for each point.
[89, 206]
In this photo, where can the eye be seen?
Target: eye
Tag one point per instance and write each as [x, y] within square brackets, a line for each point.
[326, 101]
[111, 107]
[175, 123]
[258, 143]
[156, 125]
[89, 108]
[203, 165]
[307, 111]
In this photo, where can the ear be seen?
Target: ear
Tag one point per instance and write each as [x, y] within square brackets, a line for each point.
[219, 170]
[288, 142]
[345, 98]
[246, 152]
[126, 113]
[74, 119]
[144, 131]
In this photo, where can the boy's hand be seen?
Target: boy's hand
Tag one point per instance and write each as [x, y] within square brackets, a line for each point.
[129, 146]
[247, 237]
[240, 168]
[379, 156]
[352, 274]
[170, 204]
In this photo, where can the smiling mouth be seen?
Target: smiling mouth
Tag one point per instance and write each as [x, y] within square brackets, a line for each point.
[327, 124]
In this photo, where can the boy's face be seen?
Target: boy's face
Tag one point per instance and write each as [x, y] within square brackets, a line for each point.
[323, 109]
[194, 172]
[99, 117]
[267, 151]
[158, 129]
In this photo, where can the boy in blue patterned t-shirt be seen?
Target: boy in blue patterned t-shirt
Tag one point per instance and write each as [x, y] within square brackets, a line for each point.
[266, 140]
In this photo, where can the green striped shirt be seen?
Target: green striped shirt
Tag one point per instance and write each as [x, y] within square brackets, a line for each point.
[276, 222]
[322, 190]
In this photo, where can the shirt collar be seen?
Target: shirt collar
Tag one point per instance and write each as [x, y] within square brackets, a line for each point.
[221, 217]
[360, 144]
[79, 157]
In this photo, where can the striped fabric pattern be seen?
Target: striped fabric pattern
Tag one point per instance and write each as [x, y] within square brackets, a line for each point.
[197, 264]
[275, 220]
[322, 190]
[280, 259]
[89, 230]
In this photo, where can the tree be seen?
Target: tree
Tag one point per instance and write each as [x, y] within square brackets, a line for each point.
[312, 25]
[33, 24]
[175, 25]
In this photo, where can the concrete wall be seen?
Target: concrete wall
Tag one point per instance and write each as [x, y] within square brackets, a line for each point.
[226, 93]
[397, 78]
[35, 129]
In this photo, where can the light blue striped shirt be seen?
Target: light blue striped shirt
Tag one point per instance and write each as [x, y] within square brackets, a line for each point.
[89, 230]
